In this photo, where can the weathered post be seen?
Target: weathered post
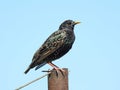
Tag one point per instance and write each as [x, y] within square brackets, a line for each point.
[58, 80]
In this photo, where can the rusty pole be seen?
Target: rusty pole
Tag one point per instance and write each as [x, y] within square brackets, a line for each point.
[58, 80]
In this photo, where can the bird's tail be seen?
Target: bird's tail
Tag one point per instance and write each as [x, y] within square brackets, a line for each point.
[27, 70]
[39, 66]
[32, 65]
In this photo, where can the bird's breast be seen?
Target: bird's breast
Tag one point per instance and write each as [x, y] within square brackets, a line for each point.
[59, 52]
[69, 39]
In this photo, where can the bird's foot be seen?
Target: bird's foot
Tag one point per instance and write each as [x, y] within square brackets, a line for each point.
[56, 68]
[59, 70]
[46, 71]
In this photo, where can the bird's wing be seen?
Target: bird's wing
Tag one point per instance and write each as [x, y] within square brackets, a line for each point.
[53, 42]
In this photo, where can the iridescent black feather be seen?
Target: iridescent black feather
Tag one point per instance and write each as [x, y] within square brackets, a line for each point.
[57, 45]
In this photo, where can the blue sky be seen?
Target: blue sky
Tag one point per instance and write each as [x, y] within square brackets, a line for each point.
[93, 62]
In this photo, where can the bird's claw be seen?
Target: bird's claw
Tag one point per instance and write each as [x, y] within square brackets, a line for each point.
[62, 71]
[59, 70]
[46, 70]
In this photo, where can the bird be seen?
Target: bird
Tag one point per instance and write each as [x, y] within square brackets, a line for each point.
[55, 46]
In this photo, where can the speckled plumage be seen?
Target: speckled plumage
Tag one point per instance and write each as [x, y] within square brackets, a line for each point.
[57, 45]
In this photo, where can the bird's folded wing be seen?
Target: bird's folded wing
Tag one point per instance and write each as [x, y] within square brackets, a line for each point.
[55, 41]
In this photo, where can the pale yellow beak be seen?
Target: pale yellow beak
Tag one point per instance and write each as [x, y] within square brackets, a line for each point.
[76, 22]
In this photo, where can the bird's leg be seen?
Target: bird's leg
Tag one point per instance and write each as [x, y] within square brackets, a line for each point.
[56, 68]
[53, 65]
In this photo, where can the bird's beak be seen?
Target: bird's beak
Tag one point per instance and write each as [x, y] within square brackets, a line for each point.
[76, 22]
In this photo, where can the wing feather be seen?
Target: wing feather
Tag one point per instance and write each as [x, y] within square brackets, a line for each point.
[55, 41]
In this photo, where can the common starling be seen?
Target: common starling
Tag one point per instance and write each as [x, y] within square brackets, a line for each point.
[57, 45]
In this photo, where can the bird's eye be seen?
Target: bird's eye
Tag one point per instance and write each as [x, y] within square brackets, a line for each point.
[69, 23]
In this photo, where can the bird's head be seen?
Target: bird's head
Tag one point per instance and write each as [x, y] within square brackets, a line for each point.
[69, 24]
